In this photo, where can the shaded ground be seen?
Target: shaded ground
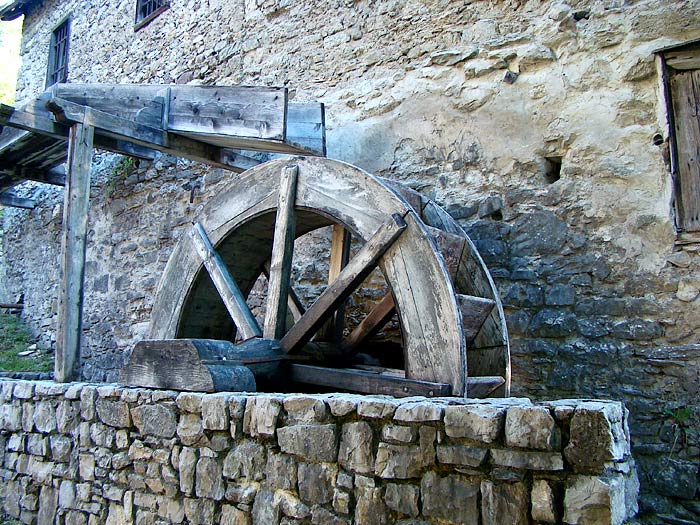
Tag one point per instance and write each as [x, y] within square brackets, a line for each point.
[18, 351]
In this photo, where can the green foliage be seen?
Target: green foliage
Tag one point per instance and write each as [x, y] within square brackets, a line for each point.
[120, 171]
[10, 37]
[680, 415]
[15, 337]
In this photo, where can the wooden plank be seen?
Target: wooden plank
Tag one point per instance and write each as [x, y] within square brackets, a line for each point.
[71, 282]
[450, 247]
[13, 201]
[12, 306]
[683, 59]
[306, 127]
[294, 305]
[475, 311]
[366, 382]
[350, 278]
[340, 255]
[228, 289]
[370, 325]
[278, 285]
[685, 96]
[480, 387]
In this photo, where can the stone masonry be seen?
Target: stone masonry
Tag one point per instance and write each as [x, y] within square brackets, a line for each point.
[103, 454]
[532, 123]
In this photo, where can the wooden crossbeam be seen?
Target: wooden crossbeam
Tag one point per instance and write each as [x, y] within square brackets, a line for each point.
[281, 260]
[370, 325]
[350, 278]
[475, 311]
[229, 291]
[13, 201]
[480, 387]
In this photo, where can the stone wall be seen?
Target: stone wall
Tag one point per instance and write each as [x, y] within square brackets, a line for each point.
[475, 104]
[86, 454]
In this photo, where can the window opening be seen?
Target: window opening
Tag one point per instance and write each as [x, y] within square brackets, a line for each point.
[58, 54]
[147, 10]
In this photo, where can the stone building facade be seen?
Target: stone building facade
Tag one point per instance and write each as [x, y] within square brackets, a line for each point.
[540, 126]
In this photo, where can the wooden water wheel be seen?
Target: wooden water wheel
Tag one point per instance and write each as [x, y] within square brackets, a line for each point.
[453, 334]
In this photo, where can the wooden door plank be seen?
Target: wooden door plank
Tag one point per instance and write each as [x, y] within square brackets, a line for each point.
[71, 282]
[370, 325]
[278, 285]
[366, 382]
[350, 278]
[228, 289]
[685, 96]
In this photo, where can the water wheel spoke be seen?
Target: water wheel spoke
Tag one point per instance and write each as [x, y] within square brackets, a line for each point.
[229, 291]
[379, 316]
[348, 280]
[294, 304]
[278, 286]
[340, 255]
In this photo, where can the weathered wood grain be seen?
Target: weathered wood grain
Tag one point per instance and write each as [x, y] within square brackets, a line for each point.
[370, 325]
[72, 267]
[13, 201]
[349, 278]
[278, 285]
[340, 254]
[480, 387]
[475, 311]
[228, 289]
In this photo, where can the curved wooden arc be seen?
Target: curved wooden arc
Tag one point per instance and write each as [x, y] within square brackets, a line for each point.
[240, 220]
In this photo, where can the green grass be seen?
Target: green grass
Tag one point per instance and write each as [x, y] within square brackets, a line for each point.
[15, 337]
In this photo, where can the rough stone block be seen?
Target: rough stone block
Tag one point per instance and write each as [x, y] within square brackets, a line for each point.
[190, 430]
[399, 433]
[422, 411]
[591, 499]
[230, 515]
[260, 417]
[199, 511]
[170, 509]
[598, 434]
[402, 498]
[243, 493]
[483, 423]
[281, 472]
[542, 502]
[37, 445]
[113, 413]
[370, 507]
[87, 467]
[48, 504]
[190, 402]
[67, 417]
[527, 460]
[321, 516]
[209, 482]
[266, 508]
[247, 460]
[44, 417]
[342, 406]
[675, 478]
[504, 503]
[155, 420]
[306, 409]
[453, 497]
[317, 482]
[292, 506]
[187, 464]
[311, 442]
[398, 461]
[215, 415]
[356, 445]
[376, 408]
[61, 447]
[461, 455]
[532, 427]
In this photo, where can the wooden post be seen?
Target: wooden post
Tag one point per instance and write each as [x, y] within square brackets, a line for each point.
[282, 252]
[75, 219]
[332, 331]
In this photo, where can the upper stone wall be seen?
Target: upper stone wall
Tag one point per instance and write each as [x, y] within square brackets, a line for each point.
[464, 101]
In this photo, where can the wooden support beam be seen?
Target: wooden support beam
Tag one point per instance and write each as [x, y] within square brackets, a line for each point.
[13, 201]
[55, 176]
[294, 305]
[475, 311]
[223, 282]
[366, 382]
[340, 255]
[12, 306]
[75, 222]
[282, 252]
[350, 278]
[370, 325]
[480, 387]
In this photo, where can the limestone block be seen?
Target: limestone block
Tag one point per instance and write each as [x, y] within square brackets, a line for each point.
[266, 509]
[230, 515]
[341, 501]
[453, 497]
[190, 402]
[61, 447]
[171, 509]
[48, 504]
[504, 503]
[154, 420]
[423, 411]
[11, 417]
[67, 495]
[542, 498]
[190, 430]
[591, 499]
[399, 433]
[260, 417]
[376, 408]
[482, 423]
[115, 515]
[398, 461]
[321, 516]
[139, 452]
[532, 427]
[16, 443]
[281, 472]
[370, 507]
[87, 467]
[209, 483]
[292, 506]
[113, 413]
[37, 445]
[342, 406]
[598, 433]
[311, 442]
[101, 435]
[317, 482]
[527, 460]
[675, 478]
[345, 480]
[187, 463]
[306, 409]
[242, 492]
[402, 498]
[67, 417]
[215, 415]
[247, 461]
[22, 390]
[356, 445]
[45, 417]
[199, 511]
[461, 455]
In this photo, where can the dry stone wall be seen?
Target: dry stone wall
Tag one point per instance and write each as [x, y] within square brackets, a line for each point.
[530, 122]
[89, 454]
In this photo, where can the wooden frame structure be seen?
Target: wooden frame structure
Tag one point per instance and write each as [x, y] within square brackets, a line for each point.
[209, 124]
